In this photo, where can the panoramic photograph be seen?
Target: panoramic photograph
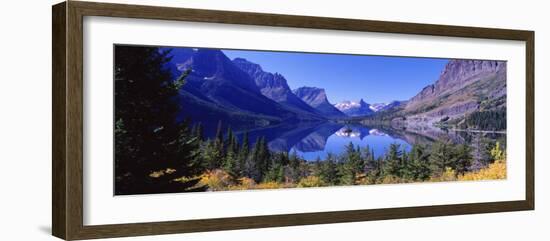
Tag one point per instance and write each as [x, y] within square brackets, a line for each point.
[190, 119]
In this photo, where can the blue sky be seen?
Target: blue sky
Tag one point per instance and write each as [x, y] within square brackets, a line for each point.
[376, 79]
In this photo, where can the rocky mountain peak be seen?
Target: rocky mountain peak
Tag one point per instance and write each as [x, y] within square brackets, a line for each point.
[317, 98]
[457, 74]
[355, 108]
[464, 86]
[273, 86]
[247, 66]
[311, 95]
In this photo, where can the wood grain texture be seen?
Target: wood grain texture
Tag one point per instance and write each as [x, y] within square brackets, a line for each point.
[74, 107]
[67, 78]
[59, 181]
[530, 120]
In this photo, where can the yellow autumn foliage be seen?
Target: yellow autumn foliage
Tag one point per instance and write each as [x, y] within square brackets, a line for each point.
[243, 183]
[447, 176]
[389, 179]
[269, 185]
[496, 170]
[219, 180]
[161, 173]
[311, 181]
[216, 180]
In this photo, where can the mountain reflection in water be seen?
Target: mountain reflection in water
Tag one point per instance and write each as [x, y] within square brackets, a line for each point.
[317, 139]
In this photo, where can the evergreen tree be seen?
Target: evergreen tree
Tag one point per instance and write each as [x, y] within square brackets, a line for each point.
[276, 170]
[420, 164]
[231, 162]
[462, 159]
[352, 164]
[199, 132]
[393, 162]
[329, 171]
[151, 148]
[441, 157]
[264, 156]
[219, 132]
[228, 140]
[294, 167]
[367, 156]
[218, 146]
[317, 166]
[493, 120]
[211, 154]
[243, 154]
[261, 158]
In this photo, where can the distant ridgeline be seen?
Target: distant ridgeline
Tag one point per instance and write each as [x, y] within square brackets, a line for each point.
[469, 94]
[241, 94]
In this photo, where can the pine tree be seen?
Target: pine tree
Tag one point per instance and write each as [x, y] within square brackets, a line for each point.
[420, 164]
[260, 156]
[276, 170]
[405, 165]
[199, 132]
[393, 160]
[243, 154]
[441, 157]
[317, 166]
[367, 156]
[231, 163]
[264, 156]
[218, 148]
[210, 154]
[219, 132]
[151, 148]
[295, 172]
[352, 164]
[462, 158]
[329, 171]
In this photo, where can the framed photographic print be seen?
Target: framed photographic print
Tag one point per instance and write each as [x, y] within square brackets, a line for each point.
[171, 120]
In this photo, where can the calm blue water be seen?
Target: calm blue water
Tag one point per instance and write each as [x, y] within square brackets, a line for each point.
[318, 139]
[375, 139]
[312, 140]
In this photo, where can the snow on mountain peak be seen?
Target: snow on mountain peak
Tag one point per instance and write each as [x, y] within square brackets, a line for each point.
[378, 106]
[345, 105]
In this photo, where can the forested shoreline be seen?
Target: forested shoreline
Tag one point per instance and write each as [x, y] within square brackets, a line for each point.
[154, 153]
[234, 165]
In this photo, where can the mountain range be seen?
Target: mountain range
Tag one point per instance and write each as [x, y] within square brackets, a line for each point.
[218, 90]
[463, 88]
[241, 93]
[275, 87]
[361, 108]
[355, 108]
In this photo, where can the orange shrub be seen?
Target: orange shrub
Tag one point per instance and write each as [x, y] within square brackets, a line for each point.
[216, 180]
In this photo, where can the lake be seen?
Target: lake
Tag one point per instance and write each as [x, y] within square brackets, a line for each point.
[317, 139]
[361, 136]
[312, 140]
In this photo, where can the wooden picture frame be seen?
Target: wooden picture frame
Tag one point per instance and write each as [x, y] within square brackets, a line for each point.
[67, 159]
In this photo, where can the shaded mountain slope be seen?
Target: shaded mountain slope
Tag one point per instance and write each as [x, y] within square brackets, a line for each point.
[317, 98]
